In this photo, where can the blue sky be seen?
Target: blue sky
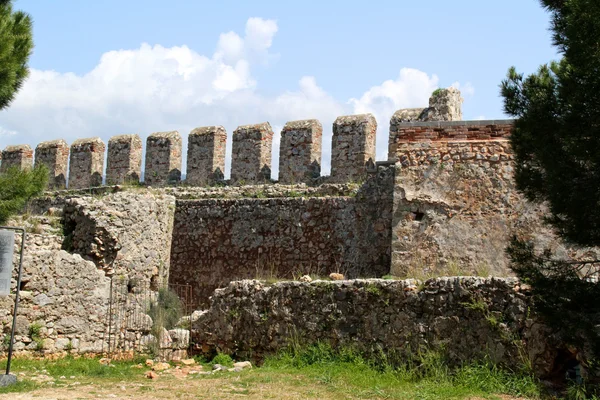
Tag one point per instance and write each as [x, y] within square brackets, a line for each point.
[103, 68]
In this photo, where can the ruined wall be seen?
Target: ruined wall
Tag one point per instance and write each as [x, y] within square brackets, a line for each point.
[127, 233]
[163, 159]
[251, 150]
[124, 161]
[216, 241]
[87, 163]
[65, 296]
[20, 156]
[54, 155]
[300, 151]
[469, 317]
[353, 147]
[206, 155]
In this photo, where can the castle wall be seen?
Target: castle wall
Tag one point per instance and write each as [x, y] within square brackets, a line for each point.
[353, 147]
[251, 161]
[20, 156]
[54, 155]
[216, 241]
[163, 159]
[456, 317]
[300, 151]
[87, 163]
[124, 161]
[206, 155]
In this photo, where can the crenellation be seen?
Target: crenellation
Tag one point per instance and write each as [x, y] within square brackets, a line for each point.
[206, 155]
[251, 153]
[124, 161]
[300, 151]
[163, 158]
[353, 147]
[20, 156]
[87, 163]
[54, 154]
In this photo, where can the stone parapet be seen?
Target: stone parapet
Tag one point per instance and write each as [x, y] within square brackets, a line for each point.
[251, 153]
[54, 154]
[87, 163]
[20, 156]
[124, 162]
[300, 151]
[206, 155]
[163, 158]
[353, 147]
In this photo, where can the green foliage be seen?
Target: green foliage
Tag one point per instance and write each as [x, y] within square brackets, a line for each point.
[167, 310]
[16, 45]
[437, 92]
[17, 187]
[556, 140]
[223, 359]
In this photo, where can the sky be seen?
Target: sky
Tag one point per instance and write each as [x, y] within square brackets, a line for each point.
[106, 68]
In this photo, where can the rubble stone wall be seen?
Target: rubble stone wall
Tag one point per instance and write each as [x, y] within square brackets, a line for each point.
[206, 155]
[251, 161]
[124, 160]
[468, 318]
[87, 163]
[352, 147]
[163, 159]
[20, 156]
[300, 151]
[54, 155]
[216, 241]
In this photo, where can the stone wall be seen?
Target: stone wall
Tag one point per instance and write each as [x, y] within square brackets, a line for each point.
[62, 294]
[124, 161]
[163, 159]
[353, 147]
[206, 155]
[126, 233]
[20, 156]
[87, 163]
[216, 241]
[300, 151]
[251, 161]
[54, 155]
[467, 318]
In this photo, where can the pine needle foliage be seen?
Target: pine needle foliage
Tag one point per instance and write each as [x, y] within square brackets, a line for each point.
[16, 45]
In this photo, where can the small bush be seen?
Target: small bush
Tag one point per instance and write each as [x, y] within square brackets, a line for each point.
[222, 359]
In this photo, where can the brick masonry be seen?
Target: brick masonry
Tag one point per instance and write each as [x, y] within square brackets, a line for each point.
[251, 161]
[206, 155]
[87, 163]
[54, 155]
[20, 156]
[163, 158]
[124, 162]
[300, 151]
[352, 147]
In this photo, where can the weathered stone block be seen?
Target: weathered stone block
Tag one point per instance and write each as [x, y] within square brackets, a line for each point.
[251, 158]
[20, 156]
[300, 151]
[54, 155]
[206, 155]
[124, 163]
[163, 158]
[87, 163]
[353, 147]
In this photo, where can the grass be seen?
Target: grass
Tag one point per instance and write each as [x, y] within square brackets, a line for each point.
[316, 371]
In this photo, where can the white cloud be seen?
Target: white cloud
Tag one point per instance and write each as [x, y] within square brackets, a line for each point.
[411, 89]
[466, 90]
[154, 88]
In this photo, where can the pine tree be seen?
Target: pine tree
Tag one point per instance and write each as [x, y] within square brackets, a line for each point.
[16, 45]
[18, 186]
[556, 140]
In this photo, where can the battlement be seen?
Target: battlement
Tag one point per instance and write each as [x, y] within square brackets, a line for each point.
[417, 136]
